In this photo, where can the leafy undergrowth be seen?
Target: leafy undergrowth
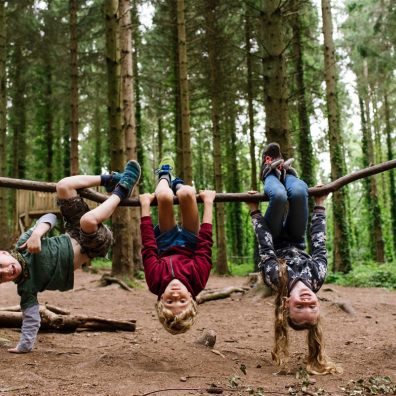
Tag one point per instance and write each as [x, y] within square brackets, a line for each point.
[367, 275]
[375, 385]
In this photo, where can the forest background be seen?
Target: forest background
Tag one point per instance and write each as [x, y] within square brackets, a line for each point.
[86, 85]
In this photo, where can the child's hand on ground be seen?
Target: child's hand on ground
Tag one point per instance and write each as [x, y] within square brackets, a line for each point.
[252, 205]
[33, 244]
[207, 196]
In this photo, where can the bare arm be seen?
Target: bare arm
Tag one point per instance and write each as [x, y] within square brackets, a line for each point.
[44, 224]
[145, 202]
[207, 197]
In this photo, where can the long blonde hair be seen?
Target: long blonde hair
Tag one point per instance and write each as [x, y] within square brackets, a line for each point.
[180, 323]
[317, 360]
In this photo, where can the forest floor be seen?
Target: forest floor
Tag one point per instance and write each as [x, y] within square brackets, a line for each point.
[151, 361]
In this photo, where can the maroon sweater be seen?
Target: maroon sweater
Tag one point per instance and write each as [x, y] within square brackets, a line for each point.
[191, 267]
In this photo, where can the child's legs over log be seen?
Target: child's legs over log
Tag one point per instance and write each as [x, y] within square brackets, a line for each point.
[297, 217]
[275, 212]
[67, 187]
[188, 208]
[166, 217]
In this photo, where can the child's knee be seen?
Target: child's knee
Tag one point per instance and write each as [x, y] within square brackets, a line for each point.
[186, 191]
[165, 196]
[89, 223]
[63, 186]
[299, 190]
[278, 195]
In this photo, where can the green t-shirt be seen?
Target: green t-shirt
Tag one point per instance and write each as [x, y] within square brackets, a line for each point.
[51, 269]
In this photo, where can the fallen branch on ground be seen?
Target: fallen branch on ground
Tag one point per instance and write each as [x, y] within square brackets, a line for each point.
[220, 197]
[106, 280]
[51, 320]
[211, 295]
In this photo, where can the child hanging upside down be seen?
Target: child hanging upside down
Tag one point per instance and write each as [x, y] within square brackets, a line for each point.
[177, 259]
[39, 264]
[285, 266]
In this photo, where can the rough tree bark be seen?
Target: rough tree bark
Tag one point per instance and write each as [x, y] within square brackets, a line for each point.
[341, 252]
[184, 94]
[74, 160]
[121, 263]
[133, 243]
[274, 75]
[4, 240]
[212, 35]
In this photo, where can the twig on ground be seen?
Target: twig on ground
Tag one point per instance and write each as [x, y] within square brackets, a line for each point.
[15, 388]
[106, 280]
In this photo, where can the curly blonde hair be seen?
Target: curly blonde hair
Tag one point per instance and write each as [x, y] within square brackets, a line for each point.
[180, 323]
[317, 360]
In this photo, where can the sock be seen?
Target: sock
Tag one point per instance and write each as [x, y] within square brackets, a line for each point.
[120, 191]
[104, 180]
[165, 176]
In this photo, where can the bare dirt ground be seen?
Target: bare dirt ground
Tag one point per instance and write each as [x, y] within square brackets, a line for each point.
[150, 360]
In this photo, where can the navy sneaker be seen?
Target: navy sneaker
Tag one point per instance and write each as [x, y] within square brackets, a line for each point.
[176, 184]
[130, 176]
[114, 179]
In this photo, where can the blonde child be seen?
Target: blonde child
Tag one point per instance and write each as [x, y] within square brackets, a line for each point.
[284, 263]
[177, 259]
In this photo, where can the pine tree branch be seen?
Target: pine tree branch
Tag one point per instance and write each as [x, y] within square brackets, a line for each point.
[220, 197]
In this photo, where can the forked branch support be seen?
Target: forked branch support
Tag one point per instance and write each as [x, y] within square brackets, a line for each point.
[220, 197]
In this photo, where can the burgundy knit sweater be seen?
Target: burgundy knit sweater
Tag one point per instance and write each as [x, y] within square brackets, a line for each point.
[191, 267]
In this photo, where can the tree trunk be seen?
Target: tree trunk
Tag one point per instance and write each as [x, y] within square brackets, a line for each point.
[74, 161]
[252, 143]
[341, 252]
[274, 76]
[211, 39]
[136, 77]
[305, 150]
[4, 240]
[234, 212]
[184, 95]
[129, 127]
[391, 175]
[374, 209]
[121, 263]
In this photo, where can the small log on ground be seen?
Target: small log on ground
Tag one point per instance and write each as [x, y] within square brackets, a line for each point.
[208, 338]
[107, 280]
[257, 285]
[346, 307]
[210, 295]
[53, 321]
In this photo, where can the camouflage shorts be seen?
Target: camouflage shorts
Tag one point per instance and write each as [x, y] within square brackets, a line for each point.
[94, 245]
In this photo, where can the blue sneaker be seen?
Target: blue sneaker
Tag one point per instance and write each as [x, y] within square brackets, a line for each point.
[165, 167]
[130, 176]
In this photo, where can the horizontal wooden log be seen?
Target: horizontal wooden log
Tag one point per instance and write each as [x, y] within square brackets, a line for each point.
[335, 185]
[53, 321]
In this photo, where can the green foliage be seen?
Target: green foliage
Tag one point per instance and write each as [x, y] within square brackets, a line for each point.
[101, 263]
[367, 275]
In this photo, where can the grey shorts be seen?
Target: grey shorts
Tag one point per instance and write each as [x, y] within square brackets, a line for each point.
[93, 245]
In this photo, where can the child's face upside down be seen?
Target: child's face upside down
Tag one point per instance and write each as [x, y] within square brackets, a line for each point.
[303, 304]
[176, 297]
[10, 268]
